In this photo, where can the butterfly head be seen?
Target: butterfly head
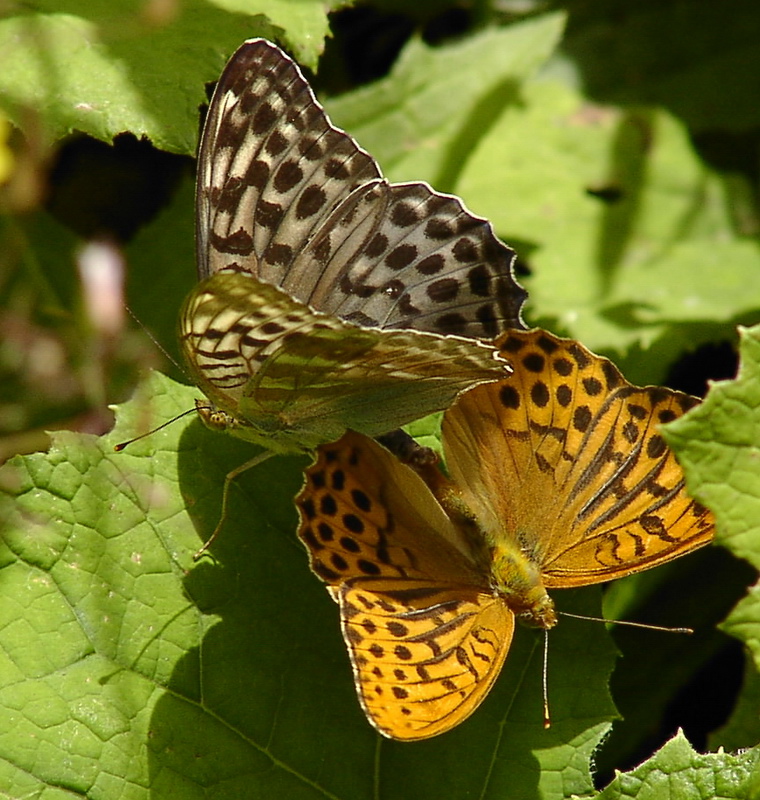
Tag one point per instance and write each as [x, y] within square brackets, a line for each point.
[212, 417]
[541, 613]
[268, 431]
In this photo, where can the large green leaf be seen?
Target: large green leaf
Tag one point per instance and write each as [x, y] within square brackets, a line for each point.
[132, 669]
[718, 445]
[678, 772]
[643, 268]
[623, 226]
[423, 121]
[108, 67]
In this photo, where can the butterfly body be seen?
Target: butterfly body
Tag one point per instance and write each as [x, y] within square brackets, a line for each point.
[503, 556]
[559, 478]
[517, 579]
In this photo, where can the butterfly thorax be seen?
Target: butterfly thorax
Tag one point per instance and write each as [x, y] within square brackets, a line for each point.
[518, 581]
[514, 576]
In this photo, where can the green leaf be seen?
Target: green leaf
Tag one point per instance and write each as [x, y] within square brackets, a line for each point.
[424, 119]
[633, 56]
[109, 67]
[612, 272]
[717, 444]
[680, 773]
[136, 670]
[6, 154]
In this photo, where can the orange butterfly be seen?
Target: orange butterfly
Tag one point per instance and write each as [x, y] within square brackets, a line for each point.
[560, 478]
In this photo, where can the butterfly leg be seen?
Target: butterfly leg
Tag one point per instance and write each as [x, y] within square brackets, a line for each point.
[229, 477]
[407, 450]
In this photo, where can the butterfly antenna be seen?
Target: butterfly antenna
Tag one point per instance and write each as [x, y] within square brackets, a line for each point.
[169, 357]
[545, 681]
[119, 447]
[628, 623]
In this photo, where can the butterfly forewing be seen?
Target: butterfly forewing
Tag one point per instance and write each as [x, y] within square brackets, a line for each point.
[271, 166]
[285, 195]
[629, 500]
[593, 491]
[364, 514]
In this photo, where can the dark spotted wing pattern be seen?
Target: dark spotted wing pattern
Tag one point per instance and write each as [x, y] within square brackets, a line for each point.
[567, 457]
[287, 197]
[290, 378]
[426, 633]
[329, 298]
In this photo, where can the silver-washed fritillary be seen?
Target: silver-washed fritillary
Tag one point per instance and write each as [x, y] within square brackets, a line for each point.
[560, 478]
[329, 298]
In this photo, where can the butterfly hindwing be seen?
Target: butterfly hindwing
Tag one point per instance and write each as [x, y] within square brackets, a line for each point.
[424, 654]
[295, 378]
[311, 381]
[405, 256]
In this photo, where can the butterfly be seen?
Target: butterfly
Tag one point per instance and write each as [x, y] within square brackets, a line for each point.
[329, 298]
[559, 478]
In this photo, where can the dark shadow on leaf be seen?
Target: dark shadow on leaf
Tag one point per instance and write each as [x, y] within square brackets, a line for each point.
[267, 699]
[655, 683]
[483, 116]
[626, 172]
[626, 54]
[678, 339]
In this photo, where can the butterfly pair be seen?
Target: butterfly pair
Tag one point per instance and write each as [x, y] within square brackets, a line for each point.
[333, 300]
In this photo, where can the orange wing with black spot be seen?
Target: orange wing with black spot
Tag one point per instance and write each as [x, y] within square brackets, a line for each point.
[426, 634]
[566, 460]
